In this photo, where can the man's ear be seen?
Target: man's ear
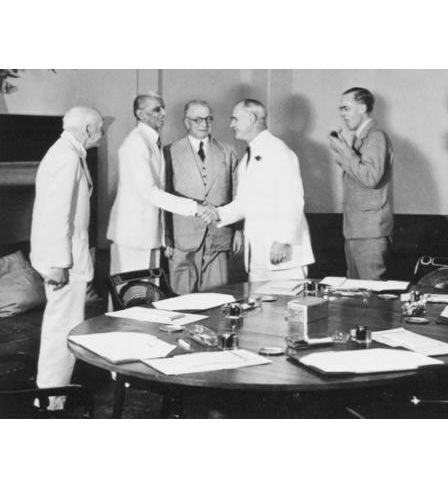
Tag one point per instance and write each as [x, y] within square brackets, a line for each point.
[89, 130]
[186, 124]
[362, 108]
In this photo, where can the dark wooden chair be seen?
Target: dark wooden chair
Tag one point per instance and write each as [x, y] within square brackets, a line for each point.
[18, 392]
[137, 288]
[431, 272]
[140, 287]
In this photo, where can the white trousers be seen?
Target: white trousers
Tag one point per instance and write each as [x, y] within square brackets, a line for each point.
[64, 310]
[124, 258]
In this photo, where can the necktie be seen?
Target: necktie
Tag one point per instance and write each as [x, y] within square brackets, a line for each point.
[159, 143]
[201, 152]
[248, 155]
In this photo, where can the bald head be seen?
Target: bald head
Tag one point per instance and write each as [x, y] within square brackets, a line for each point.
[248, 119]
[149, 109]
[85, 124]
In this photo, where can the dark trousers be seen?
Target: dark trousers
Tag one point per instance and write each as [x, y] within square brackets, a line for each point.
[366, 258]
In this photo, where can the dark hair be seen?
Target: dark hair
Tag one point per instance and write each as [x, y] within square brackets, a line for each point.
[140, 101]
[362, 95]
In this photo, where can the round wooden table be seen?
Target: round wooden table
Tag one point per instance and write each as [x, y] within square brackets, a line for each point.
[268, 327]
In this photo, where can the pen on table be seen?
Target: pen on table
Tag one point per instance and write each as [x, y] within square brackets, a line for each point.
[184, 344]
[176, 316]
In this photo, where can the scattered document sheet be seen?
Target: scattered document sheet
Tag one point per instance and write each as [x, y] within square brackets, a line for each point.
[342, 283]
[367, 361]
[159, 316]
[200, 362]
[194, 301]
[401, 337]
[122, 347]
[283, 287]
[436, 298]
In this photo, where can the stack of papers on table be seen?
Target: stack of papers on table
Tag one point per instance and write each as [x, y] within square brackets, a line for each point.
[284, 287]
[122, 347]
[194, 301]
[159, 316]
[342, 283]
[366, 361]
[401, 337]
[207, 361]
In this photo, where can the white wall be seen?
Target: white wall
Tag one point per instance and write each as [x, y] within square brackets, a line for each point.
[411, 106]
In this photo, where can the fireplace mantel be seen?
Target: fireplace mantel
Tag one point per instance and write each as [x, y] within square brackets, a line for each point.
[18, 173]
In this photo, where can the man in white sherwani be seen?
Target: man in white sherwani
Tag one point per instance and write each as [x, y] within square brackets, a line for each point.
[60, 242]
[136, 226]
[270, 199]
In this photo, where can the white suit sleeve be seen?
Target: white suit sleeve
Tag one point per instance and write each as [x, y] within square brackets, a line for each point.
[138, 167]
[230, 213]
[289, 198]
[233, 211]
[61, 178]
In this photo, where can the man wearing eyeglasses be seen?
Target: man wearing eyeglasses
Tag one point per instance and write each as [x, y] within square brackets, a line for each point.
[136, 223]
[204, 169]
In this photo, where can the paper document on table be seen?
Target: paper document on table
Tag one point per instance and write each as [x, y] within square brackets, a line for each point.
[401, 337]
[121, 347]
[194, 301]
[436, 298]
[342, 283]
[282, 287]
[366, 361]
[200, 362]
[159, 316]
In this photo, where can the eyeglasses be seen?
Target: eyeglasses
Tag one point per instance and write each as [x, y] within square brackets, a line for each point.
[199, 120]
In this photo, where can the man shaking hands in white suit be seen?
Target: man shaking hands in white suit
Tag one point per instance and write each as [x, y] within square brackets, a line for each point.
[270, 199]
[136, 223]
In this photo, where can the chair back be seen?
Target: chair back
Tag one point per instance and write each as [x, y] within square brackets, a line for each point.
[140, 287]
[428, 265]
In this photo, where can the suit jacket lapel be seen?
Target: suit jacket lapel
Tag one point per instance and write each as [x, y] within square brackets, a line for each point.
[212, 161]
[191, 160]
[158, 161]
[87, 173]
[359, 141]
[84, 166]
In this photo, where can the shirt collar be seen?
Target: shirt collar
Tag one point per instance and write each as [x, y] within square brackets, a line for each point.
[152, 134]
[258, 141]
[195, 142]
[360, 129]
[78, 146]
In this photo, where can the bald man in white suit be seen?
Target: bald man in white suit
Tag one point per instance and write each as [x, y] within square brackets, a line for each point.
[60, 242]
[269, 199]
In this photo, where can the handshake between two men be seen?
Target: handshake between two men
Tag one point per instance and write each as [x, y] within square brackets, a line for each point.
[208, 213]
[279, 252]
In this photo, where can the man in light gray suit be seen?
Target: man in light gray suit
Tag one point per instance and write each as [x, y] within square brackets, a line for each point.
[364, 153]
[204, 169]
